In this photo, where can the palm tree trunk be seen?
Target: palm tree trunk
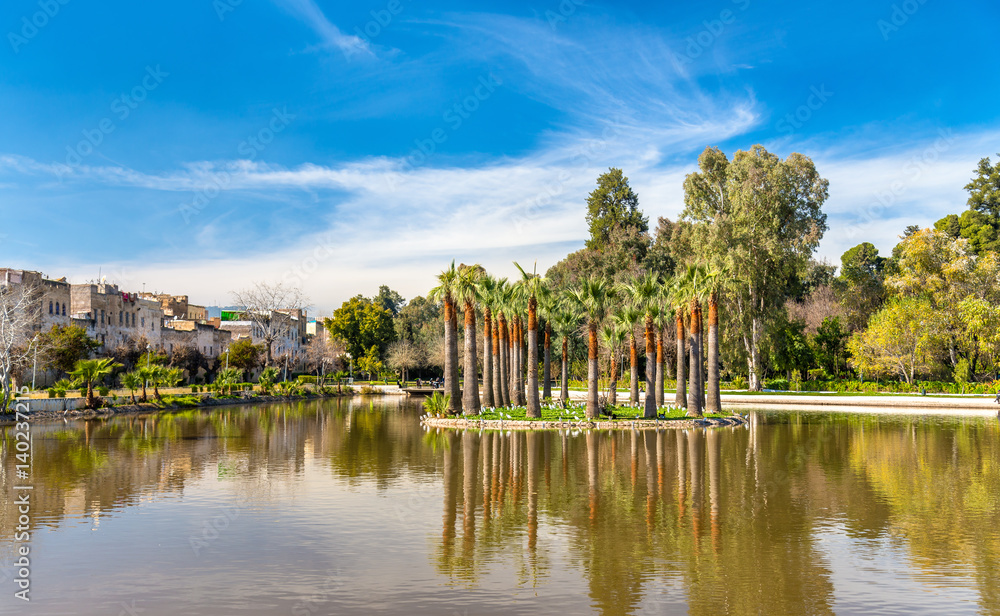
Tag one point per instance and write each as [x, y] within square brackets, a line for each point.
[633, 382]
[470, 391]
[534, 410]
[132, 392]
[488, 358]
[694, 395]
[592, 372]
[613, 385]
[680, 398]
[547, 364]
[497, 379]
[523, 357]
[144, 397]
[91, 402]
[451, 385]
[650, 403]
[504, 363]
[660, 367]
[564, 375]
[714, 402]
[512, 370]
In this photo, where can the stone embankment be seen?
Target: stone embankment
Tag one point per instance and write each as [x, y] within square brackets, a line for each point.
[461, 423]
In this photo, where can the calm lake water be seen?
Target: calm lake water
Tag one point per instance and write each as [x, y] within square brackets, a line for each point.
[351, 507]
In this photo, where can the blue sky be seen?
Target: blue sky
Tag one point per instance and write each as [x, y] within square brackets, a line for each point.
[199, 146]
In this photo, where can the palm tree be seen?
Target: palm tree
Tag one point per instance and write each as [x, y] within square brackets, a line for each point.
[548, 302]
[694, 284]
[445, 292]
[515, 306]
[627, 318]
[147, 373]
[87, 371]
[487, 296]
[467, 292]
[502, 303]
[566, 323]
[613, 337]
[133, 381]
[677, 298]
[594, 297]
[662, 319]
[714, 396]
[534, 285]
[643, 293]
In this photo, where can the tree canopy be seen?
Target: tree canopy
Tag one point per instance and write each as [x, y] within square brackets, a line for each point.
[612, 205]
[362, 324]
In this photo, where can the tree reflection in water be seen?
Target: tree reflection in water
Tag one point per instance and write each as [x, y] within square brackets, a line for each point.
[732, 521]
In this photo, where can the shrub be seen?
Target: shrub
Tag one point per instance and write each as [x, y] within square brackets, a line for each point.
[52, 393]
[103, 391]
[437, 404]
[776, 384]
[194, 389]
[740, 382]
[307, 379]
[371, 391]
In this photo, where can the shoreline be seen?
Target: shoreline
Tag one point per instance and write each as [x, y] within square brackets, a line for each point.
[150, 407]
[456, 423]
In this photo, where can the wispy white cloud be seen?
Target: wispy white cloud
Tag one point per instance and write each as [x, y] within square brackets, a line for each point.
[309, 12]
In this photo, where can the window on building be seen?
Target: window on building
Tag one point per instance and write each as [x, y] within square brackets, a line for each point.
[50, 307]
[144, 321]
[102, 317]
[120, 315]
[64, 310]
[133, 319]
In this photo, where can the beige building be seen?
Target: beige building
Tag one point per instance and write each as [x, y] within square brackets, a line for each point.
[177, 306]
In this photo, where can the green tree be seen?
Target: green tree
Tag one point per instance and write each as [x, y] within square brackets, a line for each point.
[268, 377]
[594, 297]
[761, 219]
[534, 287]
[643, 294]
[390, 300]
[133, 381]
[900, 339]
[860, 287]
[980, 224]
[467, 296]
[245, 355]
[613, 205]
[446, 292]
[88, 371]
[370, 363]
[64, 345]
[361, 324]
[419, 320]
[831, 345]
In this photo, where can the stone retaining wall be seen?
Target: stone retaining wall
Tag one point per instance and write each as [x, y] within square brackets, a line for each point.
[638, 424]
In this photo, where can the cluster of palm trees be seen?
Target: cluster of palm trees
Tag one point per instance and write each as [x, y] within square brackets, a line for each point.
[607, 312]
[87, 372]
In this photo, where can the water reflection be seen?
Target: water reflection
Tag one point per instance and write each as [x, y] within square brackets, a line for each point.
[794, 513]
[736, 521]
